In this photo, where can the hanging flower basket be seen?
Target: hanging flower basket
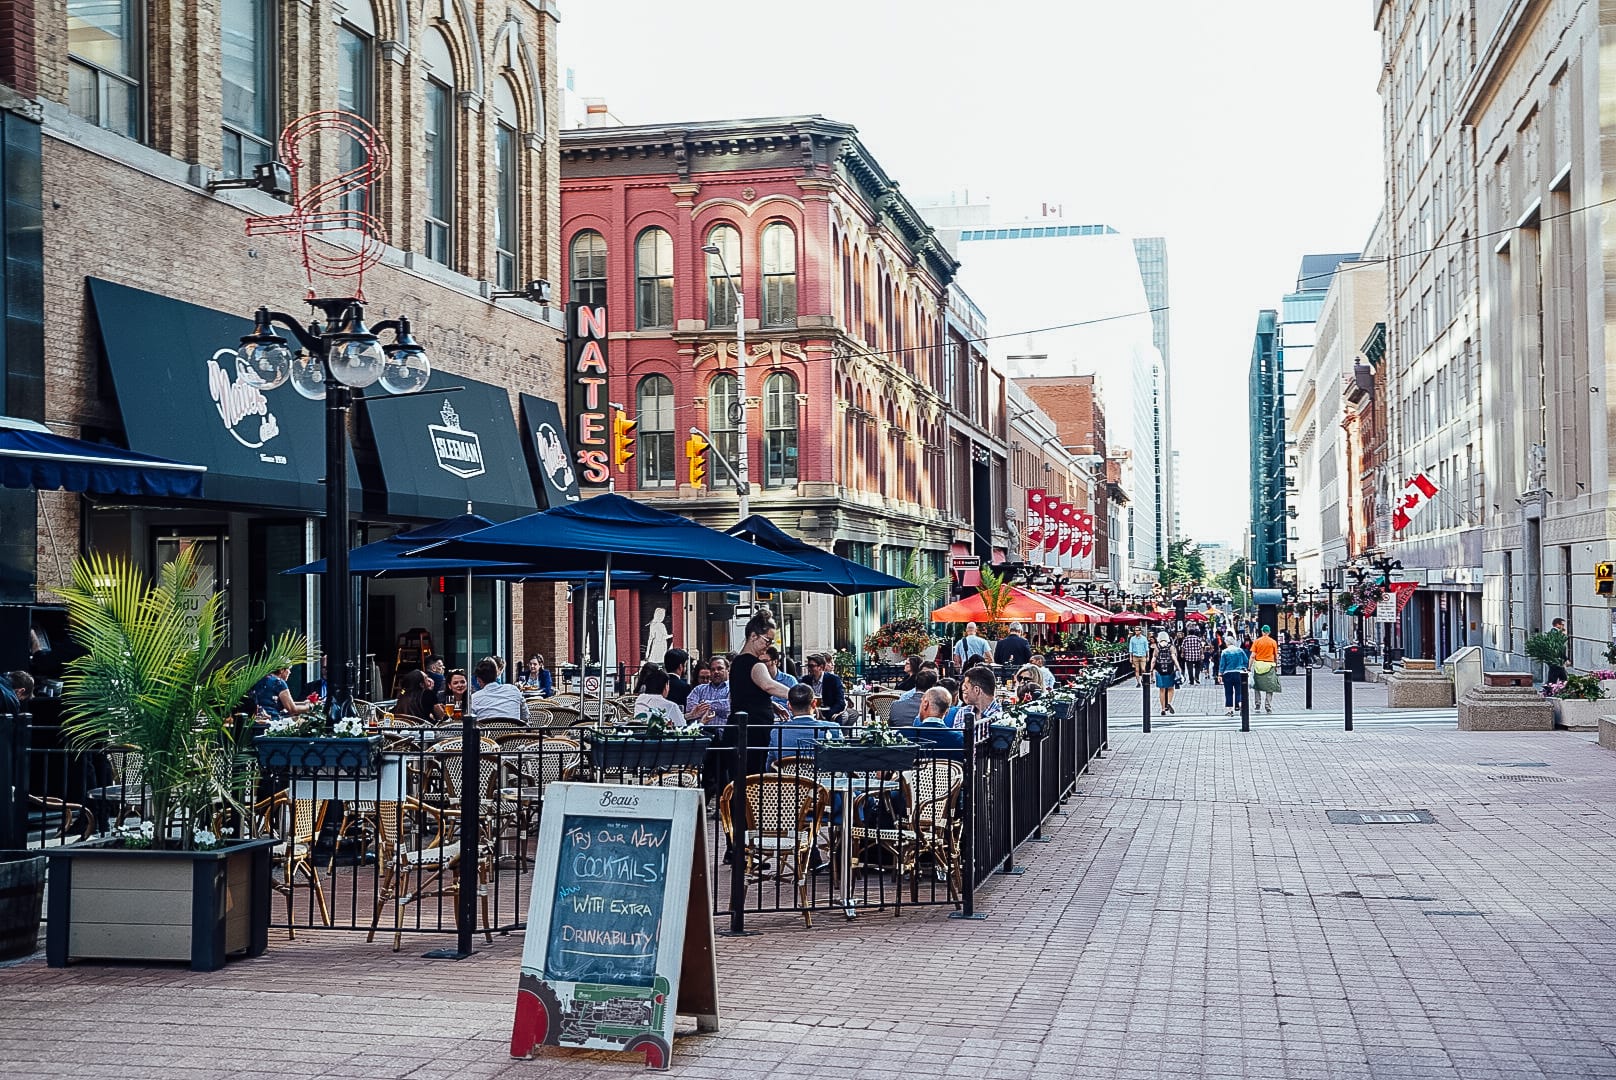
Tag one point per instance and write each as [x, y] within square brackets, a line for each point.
[1004, 740]
[834, 757]
[322, 755]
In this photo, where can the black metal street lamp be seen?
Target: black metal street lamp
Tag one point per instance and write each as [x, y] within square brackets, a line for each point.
[1386, 566]
[1332, 582]
[337, 357]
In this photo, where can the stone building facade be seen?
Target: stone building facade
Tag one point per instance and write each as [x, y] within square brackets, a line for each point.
[1501, 281]
[147, 275]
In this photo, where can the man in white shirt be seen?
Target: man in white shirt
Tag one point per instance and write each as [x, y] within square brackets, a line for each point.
[497, 699]
[655, 698]
[1043, 672]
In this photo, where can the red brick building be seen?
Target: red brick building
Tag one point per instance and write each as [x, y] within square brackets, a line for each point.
[1073, 401]
[847, 389]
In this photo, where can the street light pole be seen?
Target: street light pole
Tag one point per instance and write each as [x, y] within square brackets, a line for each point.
[339, 356]
[742, 462]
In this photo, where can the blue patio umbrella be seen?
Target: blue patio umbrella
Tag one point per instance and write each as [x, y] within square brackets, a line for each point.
[826, 571]
[387, 556]
[610, 532]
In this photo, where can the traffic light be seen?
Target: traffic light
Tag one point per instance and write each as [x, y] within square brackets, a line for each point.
[1605, 578]
[696, 454]
[622, 439]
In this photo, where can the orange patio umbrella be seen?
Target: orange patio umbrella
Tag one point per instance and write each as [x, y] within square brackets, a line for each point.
[1023, 607]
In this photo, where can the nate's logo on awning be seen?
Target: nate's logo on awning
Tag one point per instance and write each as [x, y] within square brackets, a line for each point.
[242, 406]
[459, 452]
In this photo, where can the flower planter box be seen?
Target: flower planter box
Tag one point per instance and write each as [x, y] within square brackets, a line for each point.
[1004, 740]
[1060, 710]
[654, 752]
[1037, 721]
[113, 903]
[346, 757]
[22, 893]
[1580, 714]
[854, 758]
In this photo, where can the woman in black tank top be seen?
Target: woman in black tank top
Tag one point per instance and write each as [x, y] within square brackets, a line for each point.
[751, 687]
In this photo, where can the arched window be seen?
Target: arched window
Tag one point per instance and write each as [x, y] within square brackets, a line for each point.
[723, 402]
[655, 446]
[721, 286]
[507, 174]
[779, 429]
[653, 274]
[104, 63]
[247, 63]
[356, 90]
[779, 275]
[439, 147]
[588, 269]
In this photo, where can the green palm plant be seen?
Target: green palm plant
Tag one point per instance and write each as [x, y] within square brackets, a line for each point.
[995, 591]
[150, 678]
[927, 591]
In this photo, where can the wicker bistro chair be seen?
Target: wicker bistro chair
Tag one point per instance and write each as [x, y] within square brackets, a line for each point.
[880, 705]
[497, 726]
[296, 822]
[413, 866]
[934, 828]
[526, 769]
[783, 819]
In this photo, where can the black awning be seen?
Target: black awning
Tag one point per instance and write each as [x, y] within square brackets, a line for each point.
[174, 367]
[440, 451]
[549, 453]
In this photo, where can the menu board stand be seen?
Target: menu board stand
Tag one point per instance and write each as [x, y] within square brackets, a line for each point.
[620, 928]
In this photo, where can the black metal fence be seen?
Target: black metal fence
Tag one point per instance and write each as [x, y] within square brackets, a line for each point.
[419, 831]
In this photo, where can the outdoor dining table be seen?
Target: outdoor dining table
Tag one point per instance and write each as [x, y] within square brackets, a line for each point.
[848, 786]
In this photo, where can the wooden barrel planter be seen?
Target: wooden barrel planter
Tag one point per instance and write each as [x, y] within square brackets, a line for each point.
[22, 894]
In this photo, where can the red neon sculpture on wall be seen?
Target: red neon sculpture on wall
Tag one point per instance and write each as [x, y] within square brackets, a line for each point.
[335, 206]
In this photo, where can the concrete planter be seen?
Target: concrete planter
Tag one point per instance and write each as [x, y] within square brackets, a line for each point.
[114, 903]
[1575, 714]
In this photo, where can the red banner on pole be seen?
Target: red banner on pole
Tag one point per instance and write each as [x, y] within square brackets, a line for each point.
[1035, 521]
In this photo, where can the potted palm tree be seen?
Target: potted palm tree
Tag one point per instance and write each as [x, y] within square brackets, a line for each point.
[151, 681]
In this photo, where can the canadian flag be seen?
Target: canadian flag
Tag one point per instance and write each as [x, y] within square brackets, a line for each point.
[1416, 493]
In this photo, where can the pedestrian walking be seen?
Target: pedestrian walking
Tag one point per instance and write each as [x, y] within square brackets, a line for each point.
[1164, 664]
[1232, 664]
[1194, 655]
[1264, 669]
[1139, 653]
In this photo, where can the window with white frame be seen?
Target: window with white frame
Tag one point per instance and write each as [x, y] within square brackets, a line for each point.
[588, 269]
[507, 175]
[779, 429]
[653, 275]
[723, 407]
[722, 287]
[779, 256]
[104, 63]
[654, 447]
[438, 148]
[356, 92]
[248, 67]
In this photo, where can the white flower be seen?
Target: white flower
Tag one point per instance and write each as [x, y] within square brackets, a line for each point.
[279, 724]
[148, 829]
[205, 839]
[352, 727]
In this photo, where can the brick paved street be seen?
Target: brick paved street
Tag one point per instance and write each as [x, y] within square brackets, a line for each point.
[1196, 913]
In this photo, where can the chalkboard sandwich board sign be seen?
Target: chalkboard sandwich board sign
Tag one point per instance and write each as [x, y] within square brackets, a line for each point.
[619, 926]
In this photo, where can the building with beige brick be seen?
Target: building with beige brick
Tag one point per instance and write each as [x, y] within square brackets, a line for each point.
[149, 278]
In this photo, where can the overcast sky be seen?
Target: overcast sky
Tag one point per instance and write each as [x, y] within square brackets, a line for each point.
[1246, 133]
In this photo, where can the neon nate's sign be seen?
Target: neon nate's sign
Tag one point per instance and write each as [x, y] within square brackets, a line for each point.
[588, 404]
